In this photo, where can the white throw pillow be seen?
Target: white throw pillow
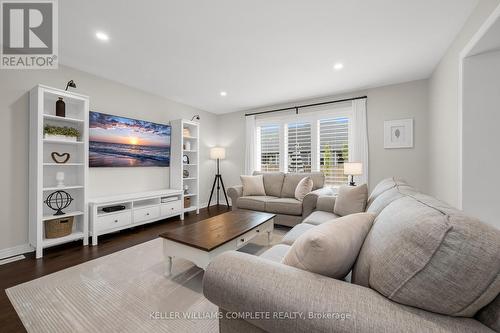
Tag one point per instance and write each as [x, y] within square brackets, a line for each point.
[351, 200]
[253, 185]
[303, 187]
[331, 248]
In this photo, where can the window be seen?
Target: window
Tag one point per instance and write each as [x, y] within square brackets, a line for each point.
[270, 148]
[334, 149]
[299, 147]
[316, 141]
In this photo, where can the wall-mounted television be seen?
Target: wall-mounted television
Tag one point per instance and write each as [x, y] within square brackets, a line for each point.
[123, 142]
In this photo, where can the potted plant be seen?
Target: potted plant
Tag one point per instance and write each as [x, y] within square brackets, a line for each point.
[60, 133]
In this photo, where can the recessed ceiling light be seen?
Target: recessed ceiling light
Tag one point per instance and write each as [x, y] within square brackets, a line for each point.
[338, 66]
[102, 36]
[223, 93]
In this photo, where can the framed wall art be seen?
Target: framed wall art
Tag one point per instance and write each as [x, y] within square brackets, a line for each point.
[398, 133]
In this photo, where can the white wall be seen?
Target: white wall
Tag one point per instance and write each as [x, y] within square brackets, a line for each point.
[481, 136]
[105, 96]
[406, 100]
[443, 112]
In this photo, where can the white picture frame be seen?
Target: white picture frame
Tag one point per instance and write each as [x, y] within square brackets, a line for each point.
[398, 133]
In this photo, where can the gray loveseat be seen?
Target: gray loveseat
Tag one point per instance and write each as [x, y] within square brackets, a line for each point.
[280, 196]
[423, 267]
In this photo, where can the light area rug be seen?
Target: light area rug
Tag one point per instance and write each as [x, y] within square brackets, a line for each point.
[122, 292]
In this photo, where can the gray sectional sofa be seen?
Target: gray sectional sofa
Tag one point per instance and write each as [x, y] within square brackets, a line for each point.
[280, 196]
[423, 267]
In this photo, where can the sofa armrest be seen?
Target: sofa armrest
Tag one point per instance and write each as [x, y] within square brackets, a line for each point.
[326, 203]
[234, 193]
[309, 202]
[247, 284]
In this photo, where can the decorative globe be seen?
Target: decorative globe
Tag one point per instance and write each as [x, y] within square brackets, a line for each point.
[58, 201]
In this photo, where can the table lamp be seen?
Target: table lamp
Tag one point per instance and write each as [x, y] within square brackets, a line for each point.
[218, 153]
[353, 169]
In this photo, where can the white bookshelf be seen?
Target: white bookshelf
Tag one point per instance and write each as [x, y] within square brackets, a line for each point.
[43, 169]
[177, 167]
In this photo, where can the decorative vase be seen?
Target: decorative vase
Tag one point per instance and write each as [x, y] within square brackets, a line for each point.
[65, 138]
[60, 178]
[60, 108]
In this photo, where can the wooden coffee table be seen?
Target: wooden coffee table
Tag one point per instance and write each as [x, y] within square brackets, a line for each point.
[202, 241]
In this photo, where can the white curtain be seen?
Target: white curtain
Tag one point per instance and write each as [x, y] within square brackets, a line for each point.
[250, 145]
[358, 151]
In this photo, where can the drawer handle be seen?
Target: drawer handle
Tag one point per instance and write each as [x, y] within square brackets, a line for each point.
[242, 240]
[257, 230]
[147, 214]
[116, 221]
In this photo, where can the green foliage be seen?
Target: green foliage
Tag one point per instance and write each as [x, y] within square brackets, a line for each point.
[345, 153]
[327, 159]
[56, 130]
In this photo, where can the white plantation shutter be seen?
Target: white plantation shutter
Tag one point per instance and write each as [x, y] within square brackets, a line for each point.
[270, 148]
[318, 140]
[299, 147]
[334, 143]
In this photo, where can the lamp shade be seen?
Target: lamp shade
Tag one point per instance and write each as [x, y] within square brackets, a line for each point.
[353, 168]
[217, 153]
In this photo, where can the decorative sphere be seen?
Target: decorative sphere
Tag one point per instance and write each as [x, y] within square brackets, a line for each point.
[58, 201]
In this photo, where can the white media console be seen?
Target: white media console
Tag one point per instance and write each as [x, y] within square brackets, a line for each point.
[140, 208]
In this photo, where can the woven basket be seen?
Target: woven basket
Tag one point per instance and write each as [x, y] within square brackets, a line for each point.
[187, 202]
[58, 227]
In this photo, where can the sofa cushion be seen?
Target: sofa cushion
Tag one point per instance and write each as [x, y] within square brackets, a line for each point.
[252, 185]
[326, 203]
[318, 217]
[384, 185]
[292, 179]
[331, 248]
[253, 202]
[490, 315]
[296, 232]
[273, 182]
[303, 187]
[286, 206]
[351, 200]
[383, 200]
[422, 253]
[276, 253]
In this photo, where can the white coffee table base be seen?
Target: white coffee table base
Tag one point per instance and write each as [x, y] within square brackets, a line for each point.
[202, 258]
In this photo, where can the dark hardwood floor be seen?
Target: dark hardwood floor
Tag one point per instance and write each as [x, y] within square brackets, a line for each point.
[71, 254]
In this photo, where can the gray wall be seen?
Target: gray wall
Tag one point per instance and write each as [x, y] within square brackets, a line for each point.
[481, 136]
[443, 112]
[407, 100]
[106, 96]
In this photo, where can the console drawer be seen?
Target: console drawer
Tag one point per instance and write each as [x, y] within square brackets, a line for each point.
[170, 208]
[145, 214]
[112, 221]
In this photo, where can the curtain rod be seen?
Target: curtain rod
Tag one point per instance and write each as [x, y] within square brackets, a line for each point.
[296, 108]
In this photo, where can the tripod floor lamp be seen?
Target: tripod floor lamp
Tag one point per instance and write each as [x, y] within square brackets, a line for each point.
[218, 153]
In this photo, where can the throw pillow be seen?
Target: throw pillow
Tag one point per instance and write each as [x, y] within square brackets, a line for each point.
[303, 187]
[331, 248]
[253, 185]
[351, 200]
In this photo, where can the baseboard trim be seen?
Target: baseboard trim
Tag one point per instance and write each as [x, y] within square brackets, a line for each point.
[15, 251]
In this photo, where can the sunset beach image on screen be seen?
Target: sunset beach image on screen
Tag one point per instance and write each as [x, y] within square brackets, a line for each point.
[123, 142]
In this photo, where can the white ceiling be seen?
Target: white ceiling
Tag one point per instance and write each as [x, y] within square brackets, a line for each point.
[261, 52]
